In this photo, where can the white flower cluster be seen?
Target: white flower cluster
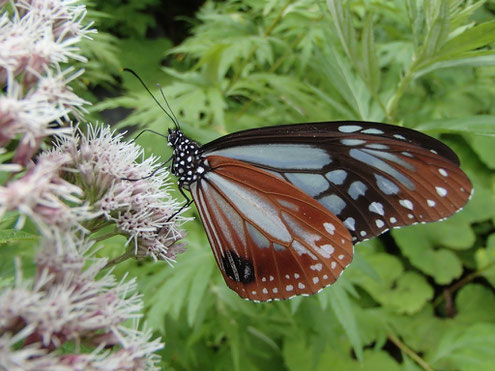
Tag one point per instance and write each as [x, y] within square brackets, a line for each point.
[100, 162]
[70, 191]
[68, 304]
[35, 40]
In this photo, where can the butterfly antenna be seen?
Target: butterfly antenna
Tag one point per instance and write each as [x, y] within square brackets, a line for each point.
[177, 126]
[154, 98]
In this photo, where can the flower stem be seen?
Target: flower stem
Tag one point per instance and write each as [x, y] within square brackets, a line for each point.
[129, 253]
[411, 353]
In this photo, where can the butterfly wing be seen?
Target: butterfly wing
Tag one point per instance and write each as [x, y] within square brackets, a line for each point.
[270, 239]
[371, 176]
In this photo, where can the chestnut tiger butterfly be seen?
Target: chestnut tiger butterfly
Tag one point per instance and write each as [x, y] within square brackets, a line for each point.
[283, 206]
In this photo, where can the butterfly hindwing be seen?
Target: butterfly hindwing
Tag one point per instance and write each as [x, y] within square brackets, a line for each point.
[270, 239]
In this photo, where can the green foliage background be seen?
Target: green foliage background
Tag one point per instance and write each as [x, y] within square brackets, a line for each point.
[421, 297]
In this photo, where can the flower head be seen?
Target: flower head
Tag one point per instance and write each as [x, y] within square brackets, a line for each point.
[142, 207]
[36, 39]
[66, 302]
[45, 197]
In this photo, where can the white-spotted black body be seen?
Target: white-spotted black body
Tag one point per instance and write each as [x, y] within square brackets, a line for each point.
[187, 162]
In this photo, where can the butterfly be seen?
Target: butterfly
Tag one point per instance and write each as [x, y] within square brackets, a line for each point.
[283, 206]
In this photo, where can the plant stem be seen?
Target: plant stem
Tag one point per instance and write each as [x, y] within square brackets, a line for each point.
[456, 286]
[394, 102]
[126, 255]
[411, 353]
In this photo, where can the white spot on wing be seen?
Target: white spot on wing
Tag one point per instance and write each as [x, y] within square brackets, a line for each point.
[349, 128]
[316, 267]
[336, 176]
[386, 186]
[357, 189]
[431, 203]
[352, 142]
[442, 192]
[289, 288]
[379, 223]
[325, 250]
[350, 224]
[333, 203]
[312, 184]
[329, 227]
[301, 285]
[443, 172]
[372, 131]
[407, 204]
[376, 207]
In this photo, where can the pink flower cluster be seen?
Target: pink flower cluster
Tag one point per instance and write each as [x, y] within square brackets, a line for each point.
[100, 162]
[35, 41]
[68, 304]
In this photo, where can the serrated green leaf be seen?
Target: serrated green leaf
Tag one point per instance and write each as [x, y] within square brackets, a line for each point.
[480, 125]
[418, 244]
[343, 25]
[469, 59]
[473, 38]
[403, 292]
[370, 66]
[469, 349]
[474, 303]
[438, 27]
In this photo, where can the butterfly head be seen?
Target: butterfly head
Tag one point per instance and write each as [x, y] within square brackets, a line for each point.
[187, 163]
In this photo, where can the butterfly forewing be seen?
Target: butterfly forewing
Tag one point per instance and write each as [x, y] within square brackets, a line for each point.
[371, 176]
[270, 239]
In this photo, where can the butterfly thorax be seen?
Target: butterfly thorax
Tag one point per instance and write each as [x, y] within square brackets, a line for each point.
[187, 163]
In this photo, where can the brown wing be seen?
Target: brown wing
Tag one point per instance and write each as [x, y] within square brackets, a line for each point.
[270, 239]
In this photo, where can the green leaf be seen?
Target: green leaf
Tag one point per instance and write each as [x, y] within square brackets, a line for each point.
[343, 25]
[485, 260]
[470, 59]
[341, 305]
[466, 349]
[437, 14]
[198, 291]
[370, 66]
[418, 244]
[473, 38]
[297, 356]
[483, 146]
[403, 292]
[475, 303]
[14, 235]
[480, 125]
